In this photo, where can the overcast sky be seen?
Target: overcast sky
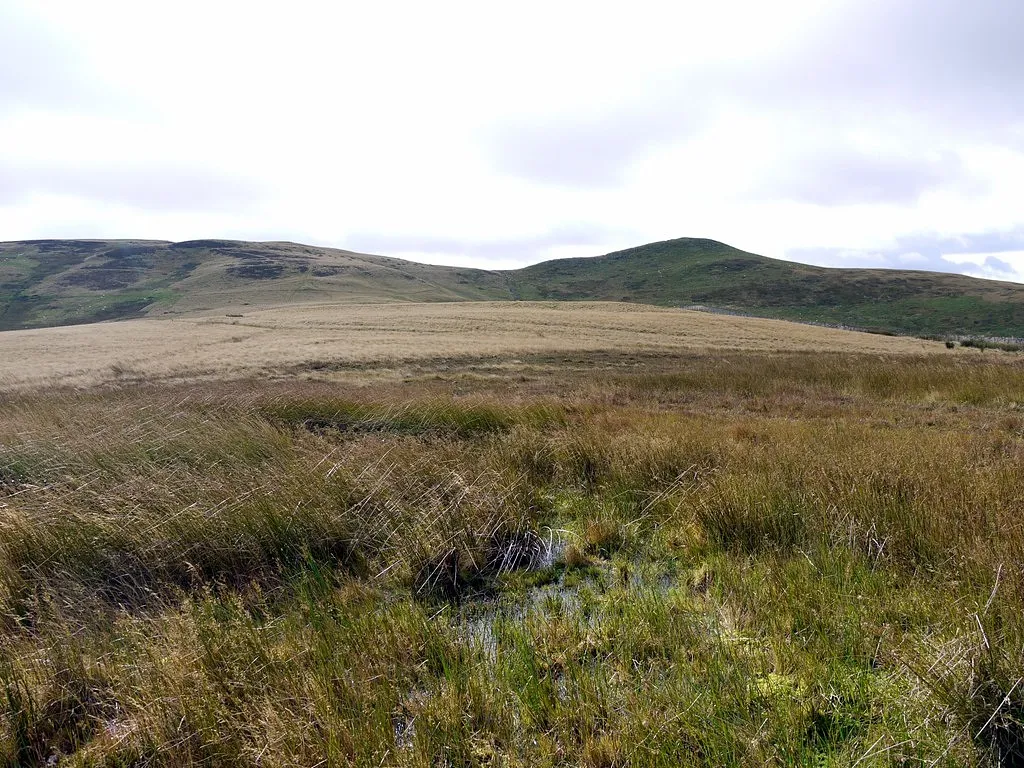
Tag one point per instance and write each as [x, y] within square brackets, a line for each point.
[495, 135]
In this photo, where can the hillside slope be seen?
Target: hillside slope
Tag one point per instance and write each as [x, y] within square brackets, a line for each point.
[691, 271]
[61, 282]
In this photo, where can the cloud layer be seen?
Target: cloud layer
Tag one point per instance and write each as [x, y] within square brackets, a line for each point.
[839, 133]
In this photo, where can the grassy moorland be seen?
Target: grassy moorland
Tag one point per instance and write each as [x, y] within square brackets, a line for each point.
[711, 559]
[60, 282]
[331, 340]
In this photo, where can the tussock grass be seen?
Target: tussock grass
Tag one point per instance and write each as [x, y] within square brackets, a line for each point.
[325, 415]
[828, 374]
[725, 560]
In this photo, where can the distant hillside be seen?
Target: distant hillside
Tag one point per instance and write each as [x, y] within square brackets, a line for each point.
[60, 282]
[694, 271]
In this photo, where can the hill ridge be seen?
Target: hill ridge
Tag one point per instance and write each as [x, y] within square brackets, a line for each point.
[49, 282]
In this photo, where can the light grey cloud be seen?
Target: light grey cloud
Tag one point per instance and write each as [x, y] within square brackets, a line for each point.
[591, 150]
[843, 176]
[39, 67]
[158, 188]
[942, 58]
[519, 250]
[998, 266]
[951, 69]
[975, 242]
[929, 253]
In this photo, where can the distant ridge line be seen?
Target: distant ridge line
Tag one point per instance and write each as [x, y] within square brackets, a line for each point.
[50, 282]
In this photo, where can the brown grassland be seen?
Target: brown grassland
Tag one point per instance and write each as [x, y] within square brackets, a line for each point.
[272, 341]
[515, 535]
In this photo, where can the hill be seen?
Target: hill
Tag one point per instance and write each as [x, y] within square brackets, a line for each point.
[693, 271]
[64, 282]
[60, 282]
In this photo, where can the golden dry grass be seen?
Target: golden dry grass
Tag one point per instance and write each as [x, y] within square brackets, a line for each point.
[374, 335]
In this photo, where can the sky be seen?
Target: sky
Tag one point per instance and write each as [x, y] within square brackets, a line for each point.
[833, 132]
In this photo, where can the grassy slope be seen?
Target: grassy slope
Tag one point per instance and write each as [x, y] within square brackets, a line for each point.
[693, 271]
[61, 282]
